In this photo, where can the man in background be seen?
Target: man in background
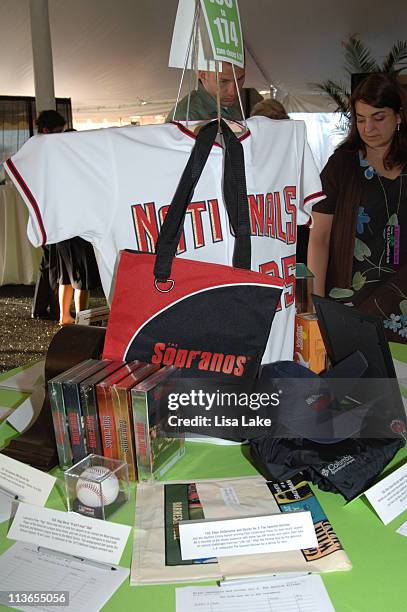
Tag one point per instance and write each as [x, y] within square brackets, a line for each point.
[50, 122]
[203, 104]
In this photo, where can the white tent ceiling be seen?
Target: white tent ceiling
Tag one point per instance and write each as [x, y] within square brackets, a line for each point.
[109, 56]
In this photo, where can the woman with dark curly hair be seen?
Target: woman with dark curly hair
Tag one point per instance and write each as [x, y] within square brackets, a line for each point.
[358, 242]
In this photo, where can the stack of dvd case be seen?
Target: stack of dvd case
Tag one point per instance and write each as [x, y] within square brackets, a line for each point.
[112, 408]
[90, 406]
[106, 408]
[73, 408]
[123, 415]
[156, 452]
[62, 400]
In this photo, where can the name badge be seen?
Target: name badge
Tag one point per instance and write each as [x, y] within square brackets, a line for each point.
[392, 240]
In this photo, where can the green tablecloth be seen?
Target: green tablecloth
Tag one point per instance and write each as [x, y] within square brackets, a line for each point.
[377, 582]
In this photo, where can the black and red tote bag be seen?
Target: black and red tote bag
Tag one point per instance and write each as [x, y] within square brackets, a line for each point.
[206, 318]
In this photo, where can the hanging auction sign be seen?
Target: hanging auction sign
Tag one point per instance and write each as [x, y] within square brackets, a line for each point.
[225, 32]
[205, 31]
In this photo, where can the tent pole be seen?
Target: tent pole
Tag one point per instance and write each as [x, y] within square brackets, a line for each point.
[42, 55]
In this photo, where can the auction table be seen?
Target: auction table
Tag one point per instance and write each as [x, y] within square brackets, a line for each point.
[377, 582]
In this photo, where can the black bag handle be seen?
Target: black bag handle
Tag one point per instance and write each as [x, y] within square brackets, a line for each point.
[235, 195]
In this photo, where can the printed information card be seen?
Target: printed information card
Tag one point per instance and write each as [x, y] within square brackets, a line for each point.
[247, 536]
[70, 533]
[402, 530]
[389, 496]
[21, 481]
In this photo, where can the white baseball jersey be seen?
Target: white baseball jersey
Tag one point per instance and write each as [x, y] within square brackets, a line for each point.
[113, 187]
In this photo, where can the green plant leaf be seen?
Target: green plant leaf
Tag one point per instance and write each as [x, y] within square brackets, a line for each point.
[361, 250]
[395, 59]
[338, 93]
[358, 57]
[403, 307]
[393, 220]
[337, 292]
[358, 281]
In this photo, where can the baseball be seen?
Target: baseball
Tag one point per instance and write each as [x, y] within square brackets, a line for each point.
[97, 484]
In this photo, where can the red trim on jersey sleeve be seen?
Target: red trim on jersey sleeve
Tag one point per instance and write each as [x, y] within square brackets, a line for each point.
[189, 133]
[184, 129]
[10, 165]
[319, 194]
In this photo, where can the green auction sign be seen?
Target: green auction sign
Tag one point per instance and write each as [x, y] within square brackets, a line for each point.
[224, 30]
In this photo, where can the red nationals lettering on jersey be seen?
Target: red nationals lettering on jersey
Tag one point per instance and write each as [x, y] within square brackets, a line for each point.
[184, 358]
[267, 218]
[273, 215]
[148, 220]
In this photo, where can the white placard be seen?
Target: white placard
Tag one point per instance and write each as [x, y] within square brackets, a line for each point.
[26, 380]
[401, 372]
[389, 496]
[27, 412]
[247, 536]
[6, 507]
[402, 530]
[30, 485]
[302, 594]
[70, 533]
[181, 37]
